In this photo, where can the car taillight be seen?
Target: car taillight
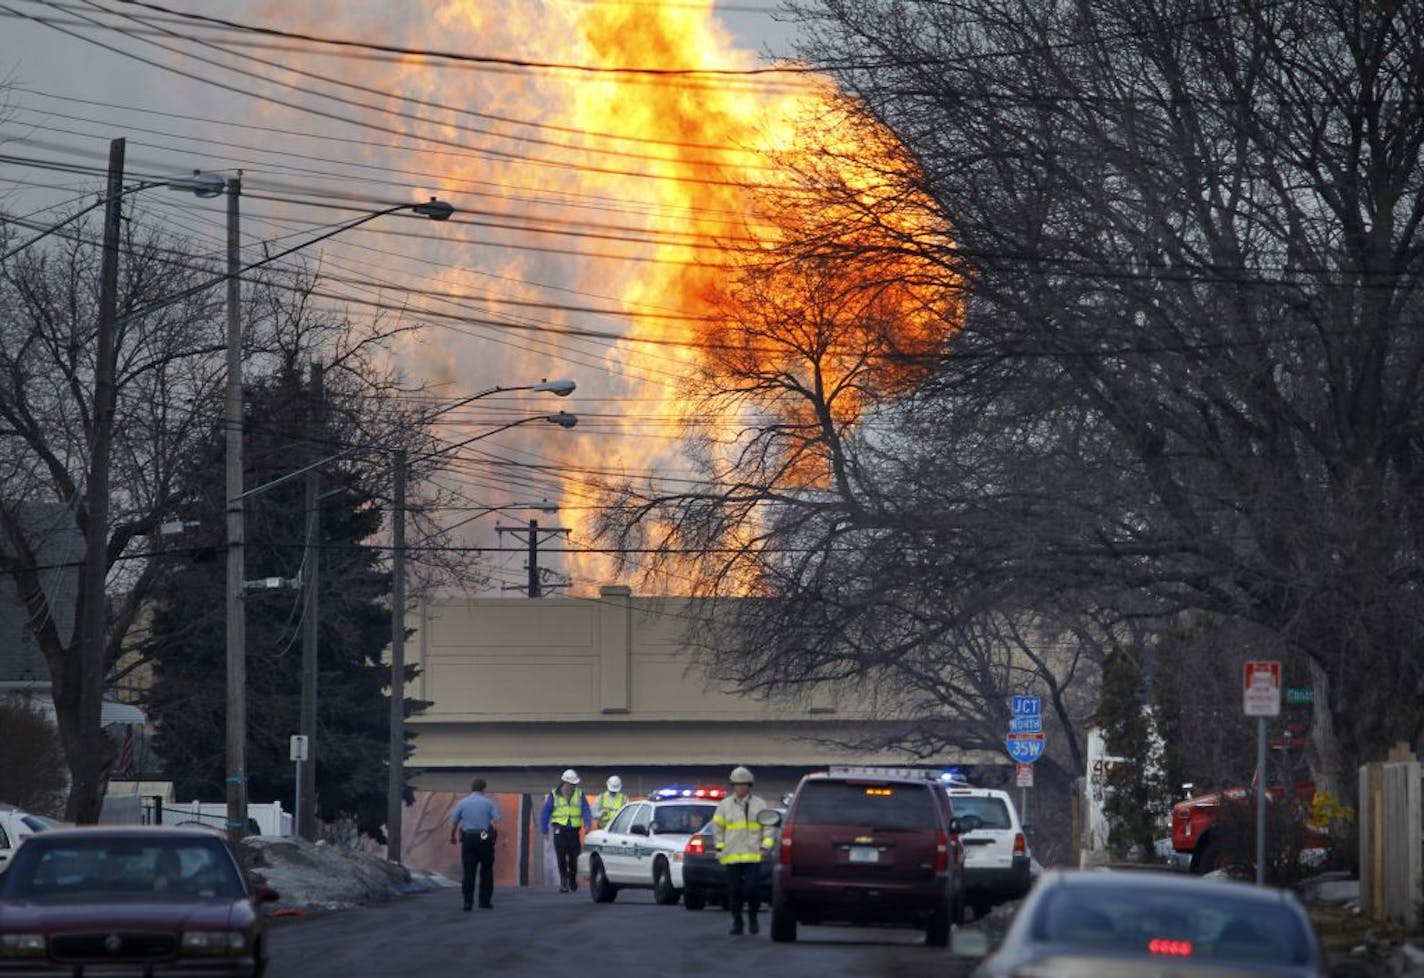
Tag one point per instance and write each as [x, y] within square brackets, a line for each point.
[942, 853]
[1020, 845]
[696, 846]
[786, 843]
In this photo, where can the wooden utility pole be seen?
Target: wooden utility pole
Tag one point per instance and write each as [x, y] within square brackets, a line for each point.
[311, 582]
[236, 639]
[87, 790]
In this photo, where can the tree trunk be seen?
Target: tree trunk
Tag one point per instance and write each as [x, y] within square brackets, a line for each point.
[88, 752]
[1327, 761]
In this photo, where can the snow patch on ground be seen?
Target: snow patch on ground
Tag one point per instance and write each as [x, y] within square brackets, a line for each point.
[313, 877]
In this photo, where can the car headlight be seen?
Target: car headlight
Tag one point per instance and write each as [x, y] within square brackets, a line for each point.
[214, 941]
[22, 945]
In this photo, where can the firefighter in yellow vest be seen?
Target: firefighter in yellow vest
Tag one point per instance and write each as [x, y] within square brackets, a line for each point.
[741, 843]
[565, 814]
[610, 802]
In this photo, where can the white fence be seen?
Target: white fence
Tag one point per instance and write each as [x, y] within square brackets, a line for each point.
[1391, 822]
[134, 809]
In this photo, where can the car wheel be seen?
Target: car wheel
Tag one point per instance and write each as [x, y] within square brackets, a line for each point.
[663, 891]
[981, 909]
[956, 910]
[694, 899]
[937, 931]
[783, 922]
[599, 888]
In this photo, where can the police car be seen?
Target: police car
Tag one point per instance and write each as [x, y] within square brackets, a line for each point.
[642, 848]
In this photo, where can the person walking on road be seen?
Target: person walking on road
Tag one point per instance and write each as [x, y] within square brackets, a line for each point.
[742, 841]
[610, 802]
[565, 814]
[472, 819]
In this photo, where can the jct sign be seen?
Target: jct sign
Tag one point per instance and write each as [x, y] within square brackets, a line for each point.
[1262, 688]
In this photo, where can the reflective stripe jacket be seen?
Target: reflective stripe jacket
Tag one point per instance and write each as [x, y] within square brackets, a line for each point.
[740, 837]
[559, 810]
[607, 805]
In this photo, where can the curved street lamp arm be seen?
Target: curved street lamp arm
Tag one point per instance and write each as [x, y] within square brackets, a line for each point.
[219, 279]
[562, 419]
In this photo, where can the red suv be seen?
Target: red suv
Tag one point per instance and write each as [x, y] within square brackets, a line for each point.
[868, 850]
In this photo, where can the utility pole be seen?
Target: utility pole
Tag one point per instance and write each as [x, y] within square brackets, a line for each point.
[94, 622]
[236, 780]
[311, 573]
[535, 537]
[396, 787]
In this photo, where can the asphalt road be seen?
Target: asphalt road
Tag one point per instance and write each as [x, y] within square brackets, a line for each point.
[541, 932]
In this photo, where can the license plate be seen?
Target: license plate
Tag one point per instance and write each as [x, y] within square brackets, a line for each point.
[864, 854]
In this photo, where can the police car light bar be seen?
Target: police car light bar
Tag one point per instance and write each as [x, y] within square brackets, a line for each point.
[712, 794]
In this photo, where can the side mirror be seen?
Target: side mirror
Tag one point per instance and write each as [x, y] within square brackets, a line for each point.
[1030, 830]
[638, 830]
[265, 894]
[969, 942]
[769, 817]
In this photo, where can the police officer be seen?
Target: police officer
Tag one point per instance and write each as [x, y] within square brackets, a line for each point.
[565, 814]
[610, 802]
[473, 819]
[741, 842]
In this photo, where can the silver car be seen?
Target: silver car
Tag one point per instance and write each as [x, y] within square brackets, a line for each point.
[1120, 924]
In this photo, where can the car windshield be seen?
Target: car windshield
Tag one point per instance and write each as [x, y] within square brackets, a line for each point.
[98, 867]
[1157, 922]
[682, 819]
[886, 807]
[991, 811]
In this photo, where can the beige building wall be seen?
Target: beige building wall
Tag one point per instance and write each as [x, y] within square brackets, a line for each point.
[522, 688]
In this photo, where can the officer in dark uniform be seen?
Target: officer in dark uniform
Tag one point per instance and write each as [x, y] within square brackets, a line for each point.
[472, 820]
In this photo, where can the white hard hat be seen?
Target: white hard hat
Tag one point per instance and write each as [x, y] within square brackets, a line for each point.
[615, 784]
[741, 775]
[569, 777]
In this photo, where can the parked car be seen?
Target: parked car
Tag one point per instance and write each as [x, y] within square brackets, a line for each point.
[105, 899]
[868, 849]
[643, 846]
[16, 825]
[997, 861]
[704, 878]
[1078, 922]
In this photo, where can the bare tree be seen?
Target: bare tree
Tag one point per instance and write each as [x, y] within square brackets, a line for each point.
[1194, 229]
[169, 345]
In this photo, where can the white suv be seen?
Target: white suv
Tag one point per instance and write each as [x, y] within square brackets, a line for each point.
[15, 825]
[996, 855]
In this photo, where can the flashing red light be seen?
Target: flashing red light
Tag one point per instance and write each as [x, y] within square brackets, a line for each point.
[1175, 949]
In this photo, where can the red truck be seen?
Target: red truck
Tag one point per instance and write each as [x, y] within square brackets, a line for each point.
[1202, 825]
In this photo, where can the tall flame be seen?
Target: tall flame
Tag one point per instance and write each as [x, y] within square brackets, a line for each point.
[740, 224]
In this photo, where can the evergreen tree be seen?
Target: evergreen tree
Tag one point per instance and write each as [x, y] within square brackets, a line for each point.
[187, 699]
[1136, 797]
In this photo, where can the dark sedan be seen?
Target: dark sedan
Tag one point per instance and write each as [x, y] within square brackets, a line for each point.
[170, 902]
[704, 878]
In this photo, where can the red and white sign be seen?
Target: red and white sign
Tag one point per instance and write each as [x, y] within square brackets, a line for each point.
[1262, 688]
[1024, 773]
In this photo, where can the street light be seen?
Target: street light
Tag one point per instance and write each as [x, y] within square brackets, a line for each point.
[236, 679]
[396, 764]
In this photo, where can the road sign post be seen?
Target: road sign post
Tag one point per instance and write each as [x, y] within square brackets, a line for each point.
[1261, 698]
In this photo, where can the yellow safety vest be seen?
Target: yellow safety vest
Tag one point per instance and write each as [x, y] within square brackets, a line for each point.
[567, 811]
[609, 805]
